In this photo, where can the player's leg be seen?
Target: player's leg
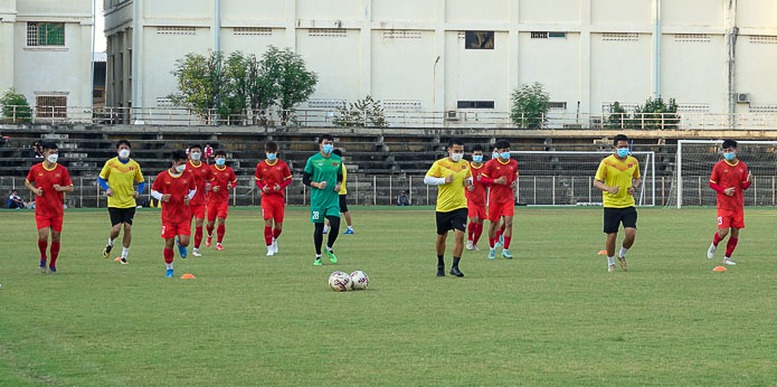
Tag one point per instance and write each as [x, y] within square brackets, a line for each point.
[43, 225]
[458, 224]
[611, 224]
[494, 218]
[471, 230]
[126, 240]
[268, 232]
[724, 223]
[198, 213]
[56, 233]
[346, 213]
[278, 213]
[629, 220]
[212, 211]
[443, 226]
[507, 223]
[318, 240]
[500, 233]
[334, 225]
[116, 222]
[167, 253]
[221, 219]
[737, 223]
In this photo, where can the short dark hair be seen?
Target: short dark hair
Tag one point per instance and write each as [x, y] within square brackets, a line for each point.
[728, 143]
[325, 136]
[618, 138]
[220, 152]
[49, 145]
[477, 147]
[502, 144]
[192, 146]
[455, 141]
[338, 152]
[14, 190]
[125, 142]
[178, 155]
[271, 146]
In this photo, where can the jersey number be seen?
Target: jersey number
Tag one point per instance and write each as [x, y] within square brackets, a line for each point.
[316, 215]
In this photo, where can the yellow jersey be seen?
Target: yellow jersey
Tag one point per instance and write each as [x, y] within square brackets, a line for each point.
[343, 190]
[450, 196]
[121, 179]
[618, 173]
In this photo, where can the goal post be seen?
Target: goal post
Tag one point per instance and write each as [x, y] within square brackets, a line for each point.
[565, 178]
[695, 159]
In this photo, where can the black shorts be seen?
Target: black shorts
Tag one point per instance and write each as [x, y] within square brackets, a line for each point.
[452, 220]
[613, 217]
[343, 204]
[121, 215]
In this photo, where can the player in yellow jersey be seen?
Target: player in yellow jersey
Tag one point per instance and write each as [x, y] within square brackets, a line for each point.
[450, 175]
[118, 178]
[618, 177]
[343, 193]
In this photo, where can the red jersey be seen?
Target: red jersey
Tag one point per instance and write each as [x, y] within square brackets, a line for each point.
[272, 173]
[478, 196]
[225, 179]
[175, 211]
[495, 169]
[50, 203]
[728, 175]
[202, 175]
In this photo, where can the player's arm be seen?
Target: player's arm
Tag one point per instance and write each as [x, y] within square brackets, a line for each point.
[32, 188]
[433, 176]
[748, 181]
[599, 184]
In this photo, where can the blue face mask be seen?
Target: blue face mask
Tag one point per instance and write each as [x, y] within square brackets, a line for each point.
[505, 155]
[729, 155]
[220, 161]
[327, 148]
[622, 152]
[271, 156]
[477, 158]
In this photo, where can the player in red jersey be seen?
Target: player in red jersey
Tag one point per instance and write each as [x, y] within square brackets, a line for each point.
[476, 199]
[175, 188]
[203, 174]
[501, 174]
[48, 180]
[272, 177]
[729, 179]
[223, 180]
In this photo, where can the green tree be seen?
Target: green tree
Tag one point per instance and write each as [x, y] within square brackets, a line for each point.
[16, 109]
[200, 82]
[292, 81]
[656, 114]
[619, 117]
[530, 105]
[365, 112]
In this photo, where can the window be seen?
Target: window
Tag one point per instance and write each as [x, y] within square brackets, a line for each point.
[548, 35]
[475, 104]
[45, 34]
[557, 105]
[49, 106]
[561, 35]
[539, 35]
[479, 40]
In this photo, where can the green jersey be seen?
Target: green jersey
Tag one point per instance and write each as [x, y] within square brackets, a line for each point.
[324, 202]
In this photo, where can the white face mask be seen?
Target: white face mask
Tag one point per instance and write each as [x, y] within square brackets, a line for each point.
[52, 158]
[456, 157]
[124, 153]
[195, 156]
[180, 168]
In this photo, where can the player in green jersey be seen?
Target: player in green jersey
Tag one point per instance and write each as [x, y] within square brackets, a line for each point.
[323, 174]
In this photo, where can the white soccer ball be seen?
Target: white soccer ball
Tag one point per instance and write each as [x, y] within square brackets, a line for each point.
[339, 281]
[359, 280]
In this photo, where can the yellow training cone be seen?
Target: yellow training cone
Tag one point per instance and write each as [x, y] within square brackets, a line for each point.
[719, 269]
[188, 276]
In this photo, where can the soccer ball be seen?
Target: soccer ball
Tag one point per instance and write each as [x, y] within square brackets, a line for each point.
[359, 280]
[339, 281]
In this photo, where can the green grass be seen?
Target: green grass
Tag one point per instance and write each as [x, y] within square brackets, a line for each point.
[552, 316]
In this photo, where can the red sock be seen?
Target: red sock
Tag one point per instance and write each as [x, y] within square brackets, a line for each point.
[478, 233]
[168, 254]
[716, 239]
[197, 236]
[267, 235]
[731, 245]
[276, 233]
[54, 253]
[210, 230]
[220, 232]
[507, 242]
[42, 244]
[471, 231]
[492, 242]
[501, 230]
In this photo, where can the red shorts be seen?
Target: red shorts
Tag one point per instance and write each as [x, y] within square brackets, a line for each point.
[47, 221]
[218, 209]
[198, 211]
[476, 211]
[273, 207]
[731, 218]
[498, 210]
[171, 230]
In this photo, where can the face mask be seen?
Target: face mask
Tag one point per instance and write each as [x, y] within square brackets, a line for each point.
[52, 158]
[327, 148]
[729, 155]
[220, 161]
[180, 168]
[622, 152]
[124, 153]
[505, 155]
[456, 157]
[495, 155]
[195, 156]
[271, 156]
[477, 158]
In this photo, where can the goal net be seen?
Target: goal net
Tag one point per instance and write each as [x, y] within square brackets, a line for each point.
[565, 178]
[695, 159]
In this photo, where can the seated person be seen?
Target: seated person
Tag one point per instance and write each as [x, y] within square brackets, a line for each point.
[15, 201]
[403, 200]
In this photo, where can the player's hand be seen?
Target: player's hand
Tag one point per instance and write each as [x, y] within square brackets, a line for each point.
[266, 189]
[614, 190]
[729, 191]
[109, 193]
[57, 187]
[449, 179]
[186, 200]
[166, 198]
[631, 191]
[502, 180]
[216, 188]
[749, 176]
[276, 188]
[514, 184]
[321, 184]
[135, 194]
[470, 188]
[39, 191]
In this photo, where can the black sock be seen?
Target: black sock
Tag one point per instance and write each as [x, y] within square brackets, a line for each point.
[318, 237]
[456, 261]
[441, 260]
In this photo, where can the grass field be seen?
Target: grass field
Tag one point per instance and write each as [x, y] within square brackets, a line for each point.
[552, 316]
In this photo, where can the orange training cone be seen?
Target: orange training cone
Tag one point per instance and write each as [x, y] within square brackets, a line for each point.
[719, 269]
[188, 276]
[117, 259]
[602, 252]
